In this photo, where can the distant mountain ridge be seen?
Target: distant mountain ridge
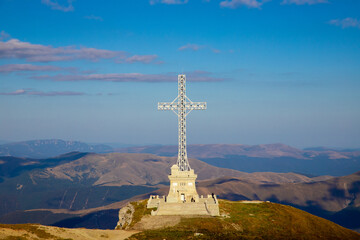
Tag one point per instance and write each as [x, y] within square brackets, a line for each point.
[275, 150]
[266, 158]
[277, 157]
[49, 148]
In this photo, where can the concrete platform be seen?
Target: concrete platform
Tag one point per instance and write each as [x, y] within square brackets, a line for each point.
[205, 206]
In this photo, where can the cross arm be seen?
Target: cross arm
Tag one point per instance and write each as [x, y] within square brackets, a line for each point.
[195, 105]
[167, 106]
[175, 106]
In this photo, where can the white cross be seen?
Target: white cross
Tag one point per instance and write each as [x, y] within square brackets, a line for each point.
[184, 106]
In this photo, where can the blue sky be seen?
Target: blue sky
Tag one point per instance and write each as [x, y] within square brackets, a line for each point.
[271, 71]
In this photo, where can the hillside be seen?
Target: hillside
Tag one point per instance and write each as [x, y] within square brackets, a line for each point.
[238, 220]
[34, 232]
[118, 169]
[336, 199]
[331, 195]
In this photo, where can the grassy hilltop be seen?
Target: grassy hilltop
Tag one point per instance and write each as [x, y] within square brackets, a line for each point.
[262, 220]
[238, 220]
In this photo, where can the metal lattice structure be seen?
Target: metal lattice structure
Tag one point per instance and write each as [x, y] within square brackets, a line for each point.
[182, 106]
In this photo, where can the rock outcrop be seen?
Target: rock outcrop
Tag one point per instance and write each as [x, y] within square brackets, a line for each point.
[125, 216]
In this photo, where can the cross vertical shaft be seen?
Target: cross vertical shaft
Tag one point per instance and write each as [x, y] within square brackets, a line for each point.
[182, 103]
[182, 160]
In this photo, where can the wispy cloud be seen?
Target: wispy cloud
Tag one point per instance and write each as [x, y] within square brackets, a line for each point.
[172, 2]
[41, 53]
[4, 35]
[55, 5]
[17, 49]
[8, 68]
[214, 50]
[129, 77]
[93, 17]
[302, 2]
[191, 46]
[239, 3]
[346, 22]
[197, 47]
[41, 93]
[141, 58]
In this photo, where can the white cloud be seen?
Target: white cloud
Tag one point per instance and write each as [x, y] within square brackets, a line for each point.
[55, 5]
[142, 58]
[17, 49]
[302, 2]
[197, 47]
[346, 22]
[41, 93]
[190, 46]
[196, 76]
[26, 67]
[41, 53]
[239, 3]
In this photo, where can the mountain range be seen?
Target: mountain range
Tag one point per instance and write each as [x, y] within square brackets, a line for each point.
[78, 181]
[80, 189]
[266, 158]
[246, 158]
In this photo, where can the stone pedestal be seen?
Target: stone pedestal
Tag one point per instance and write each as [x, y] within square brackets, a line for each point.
[182, 186]
[183, 198]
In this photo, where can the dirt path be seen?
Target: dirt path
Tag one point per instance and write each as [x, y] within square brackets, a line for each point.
[42, 232]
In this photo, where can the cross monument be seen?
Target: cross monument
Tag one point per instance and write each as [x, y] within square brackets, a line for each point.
[183, 198]
[182, 177]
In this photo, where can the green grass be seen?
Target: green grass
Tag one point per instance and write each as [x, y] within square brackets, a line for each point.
[252, 221]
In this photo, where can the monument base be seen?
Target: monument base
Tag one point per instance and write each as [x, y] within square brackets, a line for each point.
[204, 206]
[183, 198]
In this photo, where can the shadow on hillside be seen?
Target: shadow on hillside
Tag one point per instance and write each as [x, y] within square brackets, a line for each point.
[106, 219]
